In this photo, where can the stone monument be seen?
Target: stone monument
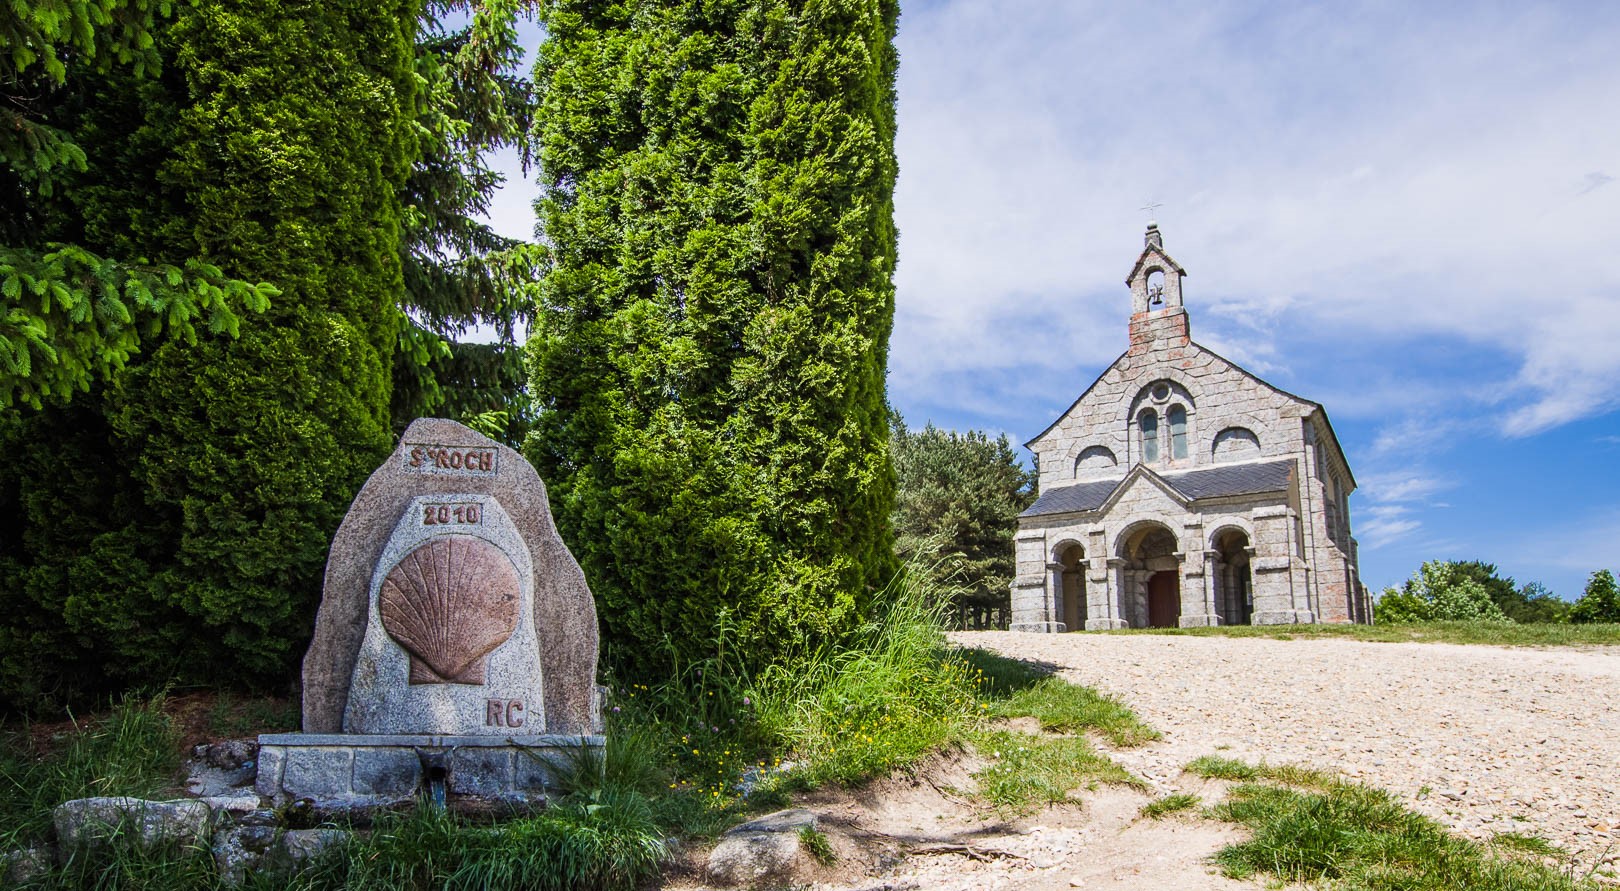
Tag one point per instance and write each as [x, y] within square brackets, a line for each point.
[455, 647]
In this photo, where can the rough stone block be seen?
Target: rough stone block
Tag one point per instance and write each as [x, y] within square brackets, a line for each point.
[536, 769]
[319, 773]
[485, 773]
[386, 773]
[93, 821]
[272, 760]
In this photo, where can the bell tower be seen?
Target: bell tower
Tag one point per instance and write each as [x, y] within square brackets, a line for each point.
[1156, 310]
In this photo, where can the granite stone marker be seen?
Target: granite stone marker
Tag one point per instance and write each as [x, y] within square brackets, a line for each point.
[453, 620]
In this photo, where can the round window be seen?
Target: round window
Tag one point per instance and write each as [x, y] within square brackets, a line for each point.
[1161, 392]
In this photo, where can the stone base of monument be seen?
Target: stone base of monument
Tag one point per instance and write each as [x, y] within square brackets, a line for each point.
[358, 772]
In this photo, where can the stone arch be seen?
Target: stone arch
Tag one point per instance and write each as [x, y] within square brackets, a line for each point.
[1233, 547]
[1148, 574]
[1095, 461]
[1235, 443]
[1069, 583]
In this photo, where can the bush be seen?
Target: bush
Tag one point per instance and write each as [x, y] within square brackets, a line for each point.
[709, 352]
[1600, 602]
[185, 534]
[1440, 591]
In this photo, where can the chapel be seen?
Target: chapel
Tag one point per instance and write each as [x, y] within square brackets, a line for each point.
[1181, 490]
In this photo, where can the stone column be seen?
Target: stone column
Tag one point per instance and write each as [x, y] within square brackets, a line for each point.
[1107, 612]
[1031, 601]
[1275, 572]
[1198, 590]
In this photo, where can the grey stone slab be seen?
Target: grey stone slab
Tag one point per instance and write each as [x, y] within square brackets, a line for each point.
[317, 772]
[483, 773]
[272, 760]
[427, 740]
[386, 772]
[93, 821]
[792, 820]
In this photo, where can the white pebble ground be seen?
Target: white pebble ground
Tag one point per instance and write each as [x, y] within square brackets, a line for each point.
[1484, 739]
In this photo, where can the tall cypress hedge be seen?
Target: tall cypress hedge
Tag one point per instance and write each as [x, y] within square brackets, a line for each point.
[173, 523]
[709, 351]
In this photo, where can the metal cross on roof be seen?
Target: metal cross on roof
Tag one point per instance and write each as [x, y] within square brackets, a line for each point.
[1150, 207]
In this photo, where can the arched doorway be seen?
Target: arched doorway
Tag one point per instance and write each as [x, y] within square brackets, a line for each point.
[1150, 577]
[1072, 586]
[1234, 596]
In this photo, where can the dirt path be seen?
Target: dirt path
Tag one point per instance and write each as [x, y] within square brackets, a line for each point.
[1484, 739]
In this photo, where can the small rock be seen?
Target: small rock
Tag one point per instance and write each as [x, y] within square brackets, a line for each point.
[240, 850]
[83, 821]
[22, 865]
[746, 858]
[791, 820]
[233, 806]
[232, 754]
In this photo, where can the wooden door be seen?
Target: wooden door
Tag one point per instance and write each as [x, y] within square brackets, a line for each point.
[1164, 599]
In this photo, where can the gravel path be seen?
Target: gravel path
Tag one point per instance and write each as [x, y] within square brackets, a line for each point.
[1484, 739]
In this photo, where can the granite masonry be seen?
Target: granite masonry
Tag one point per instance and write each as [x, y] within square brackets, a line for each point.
[1181, 490]
[456, 644]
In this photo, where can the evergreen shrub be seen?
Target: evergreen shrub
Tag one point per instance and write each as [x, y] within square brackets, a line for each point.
[174, 522]
[711, 338]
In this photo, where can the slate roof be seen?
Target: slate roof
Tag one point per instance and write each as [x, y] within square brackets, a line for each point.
[1209, 482]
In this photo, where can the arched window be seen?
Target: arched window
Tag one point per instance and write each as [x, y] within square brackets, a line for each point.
[1149, 422]
[1178, 431]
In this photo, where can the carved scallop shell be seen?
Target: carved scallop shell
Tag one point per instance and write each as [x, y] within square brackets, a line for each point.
[449, 603]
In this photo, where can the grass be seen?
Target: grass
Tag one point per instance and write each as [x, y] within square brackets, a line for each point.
[1174, 803]
[1357, 838]
[133, 750]
[1216, 767]
[1063, 707]
[1538, 635]
[688, 756]
[1025, 772]
[815, 841]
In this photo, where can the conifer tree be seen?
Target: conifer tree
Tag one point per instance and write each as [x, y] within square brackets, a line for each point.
[957, 508]
[173, 523]
[458, 271]
[710, 345]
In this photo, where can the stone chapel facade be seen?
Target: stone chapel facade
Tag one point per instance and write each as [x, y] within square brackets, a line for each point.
[1181, 490]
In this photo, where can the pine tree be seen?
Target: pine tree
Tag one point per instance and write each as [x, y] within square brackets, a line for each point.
[710, 345]
[71, 316]
[458, 271]
[956, 509]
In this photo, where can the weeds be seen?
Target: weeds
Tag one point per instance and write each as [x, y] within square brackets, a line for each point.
[1025, 772]
[815, 842]
[134, 751]
[1174, 803]
[880, 701]
[1358, 838]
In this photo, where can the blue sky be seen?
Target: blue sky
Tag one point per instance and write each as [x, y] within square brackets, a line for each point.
[1405, 211]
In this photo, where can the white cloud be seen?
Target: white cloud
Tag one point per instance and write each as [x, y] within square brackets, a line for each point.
[1378, 171]
[1401, 486]
[1384, 524]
